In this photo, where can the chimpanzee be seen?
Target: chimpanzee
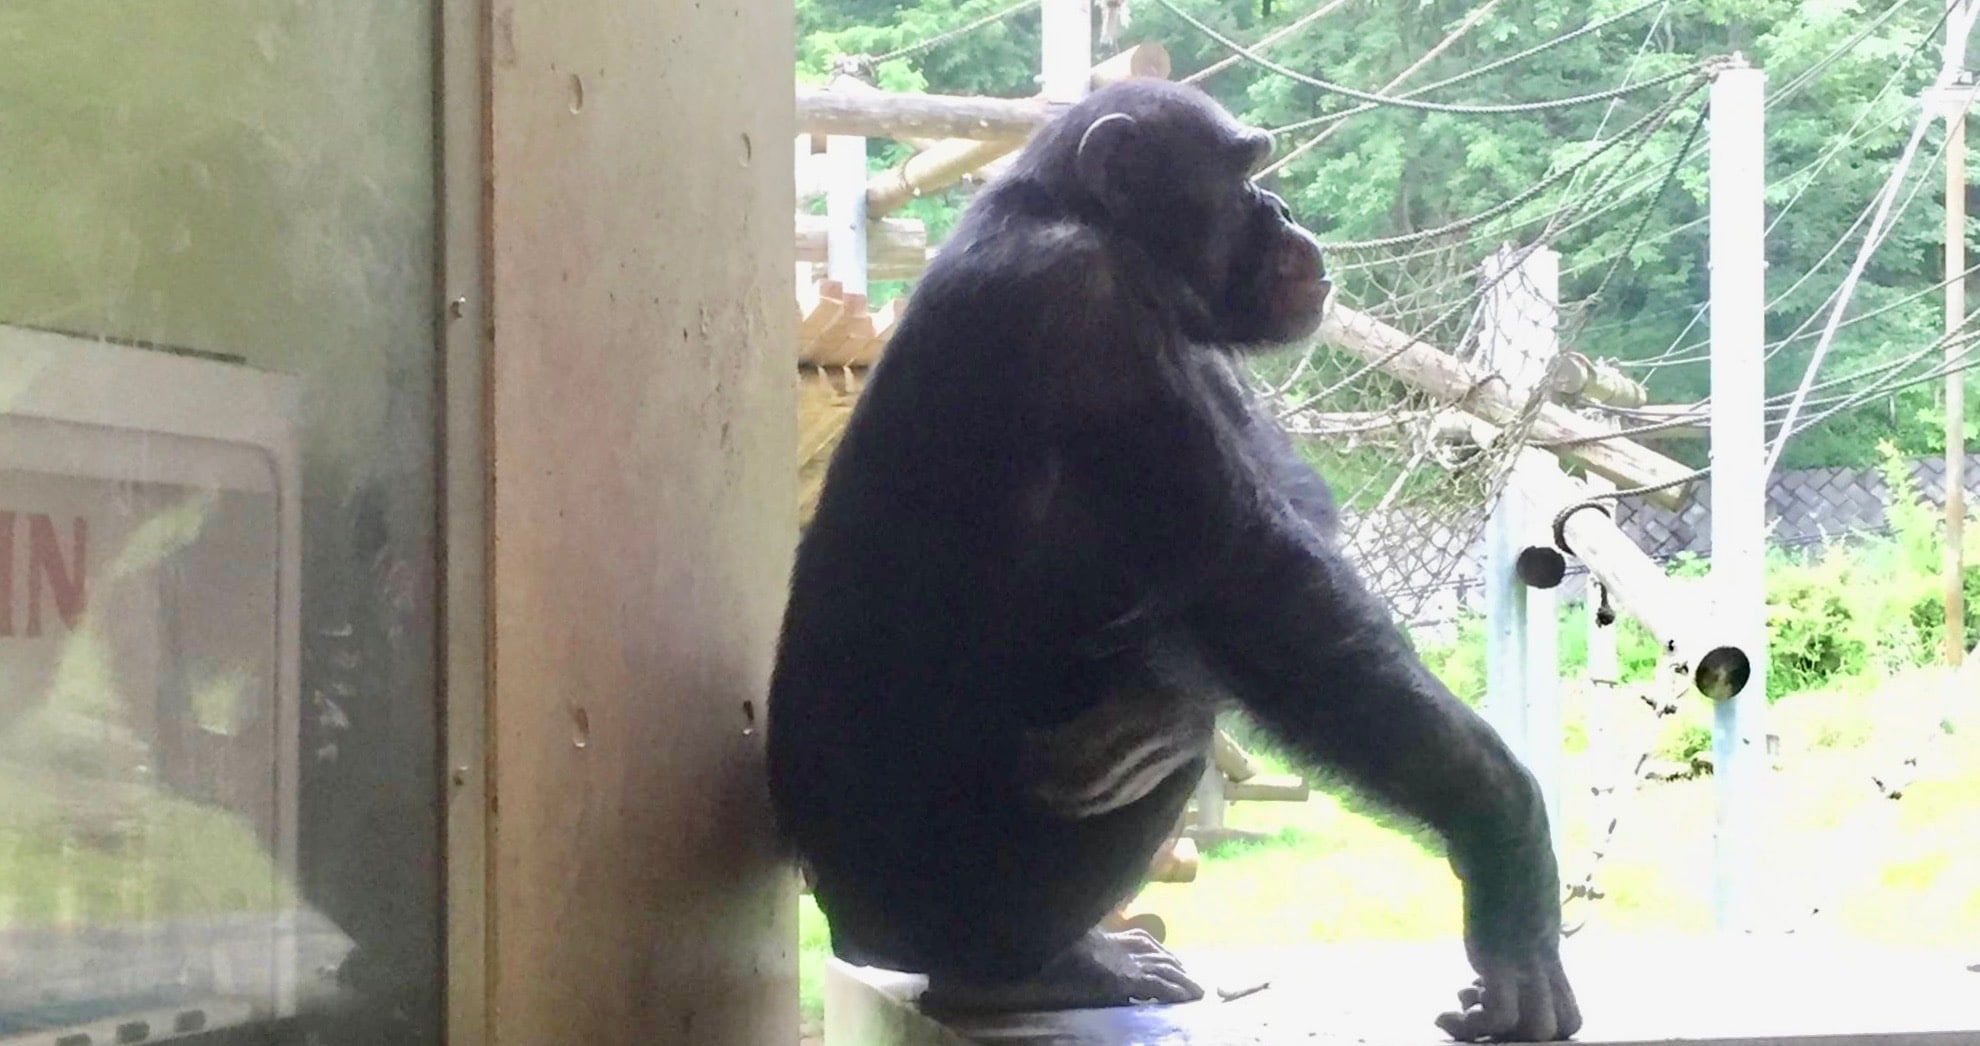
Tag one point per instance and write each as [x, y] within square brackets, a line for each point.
[1058, 537]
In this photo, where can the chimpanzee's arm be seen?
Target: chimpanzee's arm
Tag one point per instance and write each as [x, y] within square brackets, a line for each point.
[1315, 656]
[1194, 497]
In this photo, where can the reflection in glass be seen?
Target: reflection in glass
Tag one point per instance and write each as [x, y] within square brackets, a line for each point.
[218, 773]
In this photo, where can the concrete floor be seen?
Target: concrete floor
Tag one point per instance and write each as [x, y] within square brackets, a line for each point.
[1753, 991]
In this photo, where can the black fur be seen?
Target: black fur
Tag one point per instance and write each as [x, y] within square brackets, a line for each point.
[1056, 506]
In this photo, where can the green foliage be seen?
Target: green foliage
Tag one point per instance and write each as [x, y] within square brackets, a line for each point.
[1846, 610]
[1392, 170]
[1460, 662]
[1866, 609]
[1684, 740]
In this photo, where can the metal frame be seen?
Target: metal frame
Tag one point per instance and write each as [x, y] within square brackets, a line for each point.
[464, 502]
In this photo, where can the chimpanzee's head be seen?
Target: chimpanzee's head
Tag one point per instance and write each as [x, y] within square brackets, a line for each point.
[1164, 166]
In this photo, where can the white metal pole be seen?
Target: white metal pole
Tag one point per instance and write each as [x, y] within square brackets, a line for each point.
[845, 209]
[1739, 480]
[1522, 662]
[1065, 29]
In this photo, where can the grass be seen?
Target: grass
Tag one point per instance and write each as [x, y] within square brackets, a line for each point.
[1891, 872]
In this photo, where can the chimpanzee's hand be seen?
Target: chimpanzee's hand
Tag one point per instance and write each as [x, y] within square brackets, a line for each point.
[1512, 935]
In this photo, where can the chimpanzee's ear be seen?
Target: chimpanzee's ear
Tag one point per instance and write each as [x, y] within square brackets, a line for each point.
[1253, 148]
[1103, 157]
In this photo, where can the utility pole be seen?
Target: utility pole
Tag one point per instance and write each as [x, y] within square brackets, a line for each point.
[1739, 480]
[1954, 104]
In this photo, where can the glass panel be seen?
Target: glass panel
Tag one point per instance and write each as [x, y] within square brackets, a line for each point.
[218, 758]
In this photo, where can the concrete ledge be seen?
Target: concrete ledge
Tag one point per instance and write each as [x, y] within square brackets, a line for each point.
[1706, 991]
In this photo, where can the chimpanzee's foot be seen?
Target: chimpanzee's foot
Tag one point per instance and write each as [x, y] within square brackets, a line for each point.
[1103, 969]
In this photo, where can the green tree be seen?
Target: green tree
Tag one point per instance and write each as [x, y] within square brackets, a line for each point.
[1843, 75]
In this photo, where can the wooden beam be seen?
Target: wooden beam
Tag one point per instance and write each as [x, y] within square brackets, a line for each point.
[1175, 862]
[892, 244]
[1450, 426]
[1235, 763]
[900, 116]
[1277, 788]
[843, 84]
[1685, 421]
[1577, 376]
[1429, 369]
[932, 170]
[1149, 59]
[941, 164]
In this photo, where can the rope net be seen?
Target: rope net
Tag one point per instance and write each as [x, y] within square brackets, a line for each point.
[1415, 489]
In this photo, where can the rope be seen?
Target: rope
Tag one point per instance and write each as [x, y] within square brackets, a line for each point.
[1471, 74]
[1267, 40]
[1679, 353]
[1629, 72]
[1657, 116]
[1871, 241]
[1595, 501]
[1451, 38]
[1554, 228]
[1808, 75]
[952, 34]
[1649, 208]
[1508, 108]
[1647, 125]
[1968, 360]
[1586, 888]
[1881, 386]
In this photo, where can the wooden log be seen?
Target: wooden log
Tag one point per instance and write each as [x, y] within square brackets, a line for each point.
[1233, 762]
[1450, 426]
[1275, 788]
[1429, 369]
[1149, 59]
[892, 244]
[905, 116]
[854, 85]
[1685, 421]
[818, 309]
[900, 268]
[932, 170]
[939, 165]
[1577, 376]
[1147, 922]
[1176, 862]
[858, 345]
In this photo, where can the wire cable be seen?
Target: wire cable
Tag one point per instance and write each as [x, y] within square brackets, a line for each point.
[1700, 350]
[1642, 48]
[945, 36]
[1470, 74]
[1812, 172]
[1698, 69]
[1476, 16]
[1646, 125]
[1871, 241]
[1267, 40]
